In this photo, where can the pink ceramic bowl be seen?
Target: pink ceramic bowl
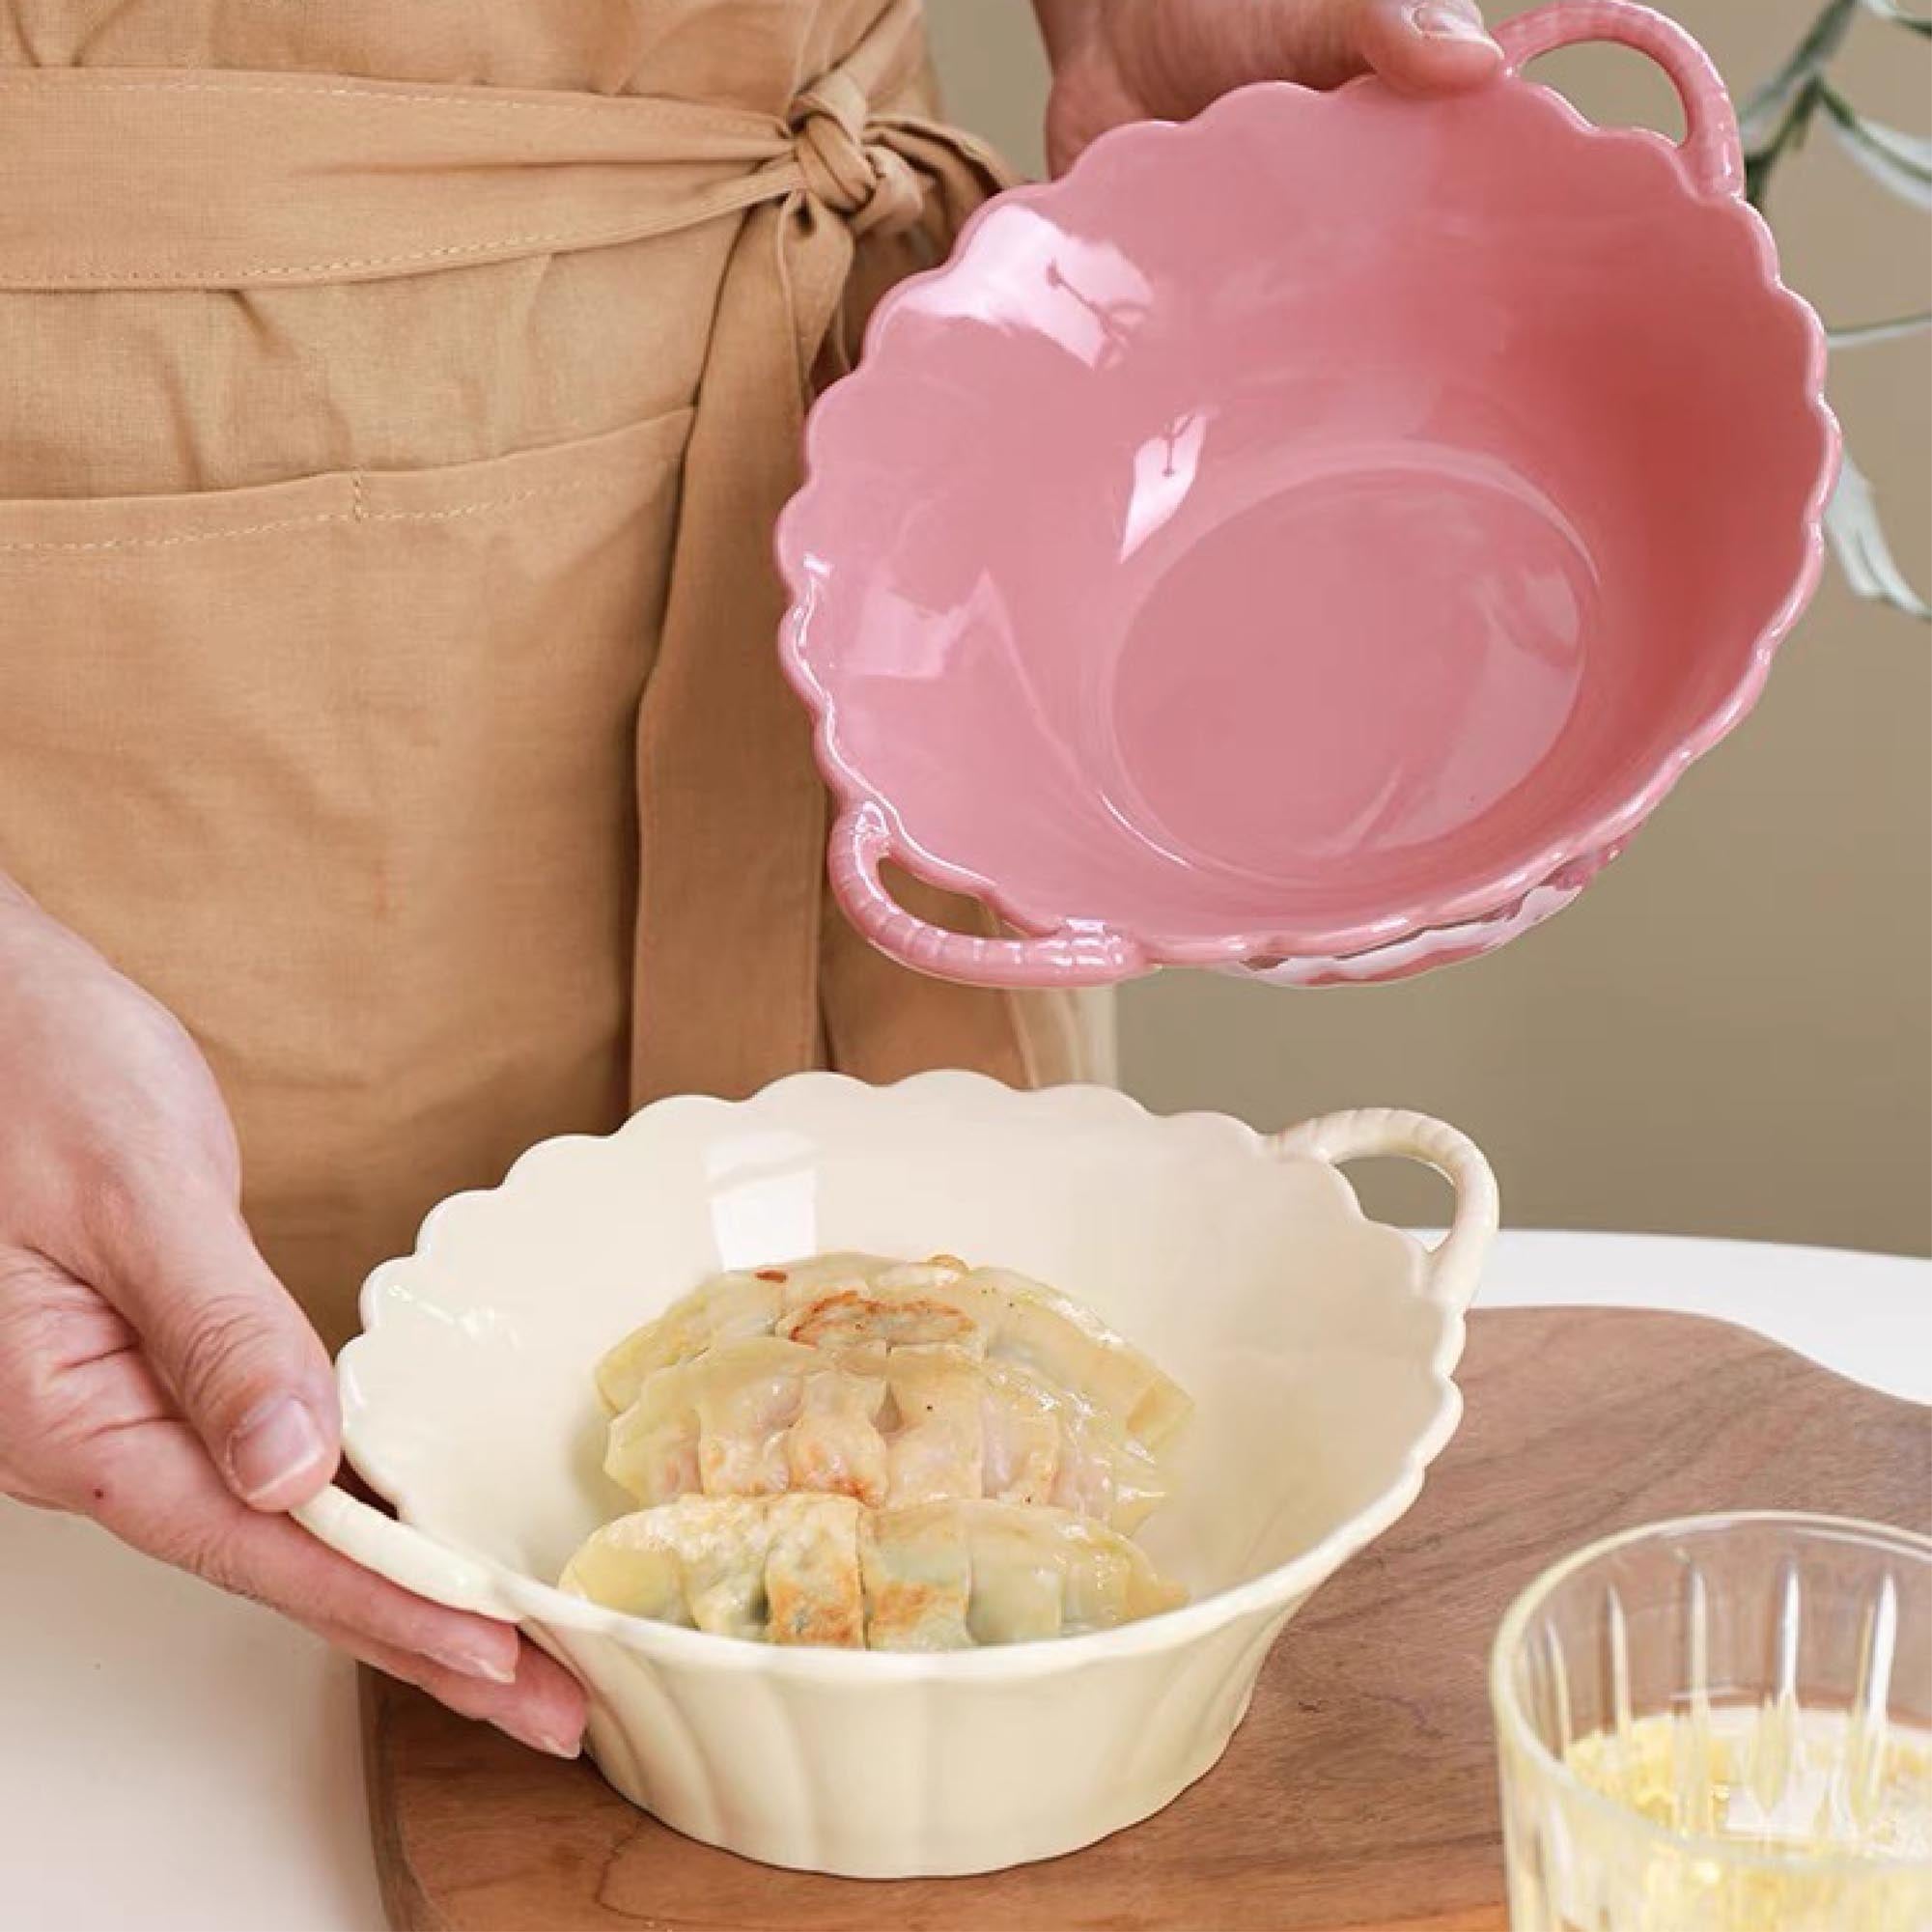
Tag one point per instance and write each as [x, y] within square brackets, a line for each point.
[1313, 530]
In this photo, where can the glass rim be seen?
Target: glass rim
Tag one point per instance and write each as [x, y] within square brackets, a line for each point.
[1513, 1722]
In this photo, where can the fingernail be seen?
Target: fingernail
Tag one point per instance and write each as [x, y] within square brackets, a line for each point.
[275, 1444]
[1437, 20]
[477, 1663]
[537, 1739]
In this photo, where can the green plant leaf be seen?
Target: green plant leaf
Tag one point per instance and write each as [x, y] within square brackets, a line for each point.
[1760, 160]
[1890, 10]
[1893, 158]
[1773, 120]
[1761, 115]
[1858, 541]
[1861, 335]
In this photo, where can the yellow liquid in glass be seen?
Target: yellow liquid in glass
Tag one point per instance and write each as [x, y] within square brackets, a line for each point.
[1835, 1816]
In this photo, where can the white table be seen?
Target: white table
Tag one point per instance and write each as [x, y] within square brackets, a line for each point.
[182, 1762]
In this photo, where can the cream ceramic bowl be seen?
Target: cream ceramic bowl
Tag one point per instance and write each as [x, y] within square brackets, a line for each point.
[1319, 1347]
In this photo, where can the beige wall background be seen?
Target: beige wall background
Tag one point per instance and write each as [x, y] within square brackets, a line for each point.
[1731, 1032]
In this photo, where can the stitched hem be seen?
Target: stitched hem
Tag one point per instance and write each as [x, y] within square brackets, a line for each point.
[773, 181]
[53, 85]
[357, 513]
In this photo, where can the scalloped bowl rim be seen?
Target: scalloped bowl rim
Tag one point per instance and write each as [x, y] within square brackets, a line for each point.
[1465, 904]
[1275, 1588]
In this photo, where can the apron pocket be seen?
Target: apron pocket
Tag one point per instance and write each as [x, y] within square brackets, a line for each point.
[342, 770]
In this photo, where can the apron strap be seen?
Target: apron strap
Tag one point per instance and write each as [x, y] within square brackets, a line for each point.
[731, 915]
[132, 179]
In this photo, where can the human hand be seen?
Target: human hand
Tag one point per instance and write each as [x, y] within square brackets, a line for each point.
[153, 1373]
[1131, 60]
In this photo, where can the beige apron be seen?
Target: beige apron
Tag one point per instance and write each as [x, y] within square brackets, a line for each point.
[396, 402]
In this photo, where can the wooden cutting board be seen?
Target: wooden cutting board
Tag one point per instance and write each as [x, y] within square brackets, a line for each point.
[1360, 1793]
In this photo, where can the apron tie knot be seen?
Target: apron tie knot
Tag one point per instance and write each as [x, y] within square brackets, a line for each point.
[873, 187]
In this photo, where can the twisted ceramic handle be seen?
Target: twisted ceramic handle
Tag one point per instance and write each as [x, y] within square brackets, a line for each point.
[862, 843]
[1712, 154]
[419, 1563]
[1455, 1264]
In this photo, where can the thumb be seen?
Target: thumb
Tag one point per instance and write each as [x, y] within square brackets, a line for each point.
[1427, 46]
[249, 1372]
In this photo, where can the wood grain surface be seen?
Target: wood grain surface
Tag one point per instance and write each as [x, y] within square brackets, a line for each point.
[1359, 1793]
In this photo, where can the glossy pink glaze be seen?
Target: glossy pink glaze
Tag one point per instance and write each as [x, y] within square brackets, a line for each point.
[1309, 529]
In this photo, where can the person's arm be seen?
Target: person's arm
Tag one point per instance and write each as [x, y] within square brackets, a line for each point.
[1130, 60]
[153, 1373]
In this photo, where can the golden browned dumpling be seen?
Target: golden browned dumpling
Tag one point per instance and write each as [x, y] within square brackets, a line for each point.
[825, 1570]
[881, 1454]
[854, 1301]
[890, 1425]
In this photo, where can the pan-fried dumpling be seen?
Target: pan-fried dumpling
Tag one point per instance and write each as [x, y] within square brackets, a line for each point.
[823, 1570]
[853, 1302]
[722, 1309]
[947, 1575]
[892, 1426]
[780, 1568]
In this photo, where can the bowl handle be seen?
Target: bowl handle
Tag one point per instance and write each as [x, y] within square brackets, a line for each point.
[1455, 1263]
[419, 1563]
[1073, 955]
[1712, 154]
